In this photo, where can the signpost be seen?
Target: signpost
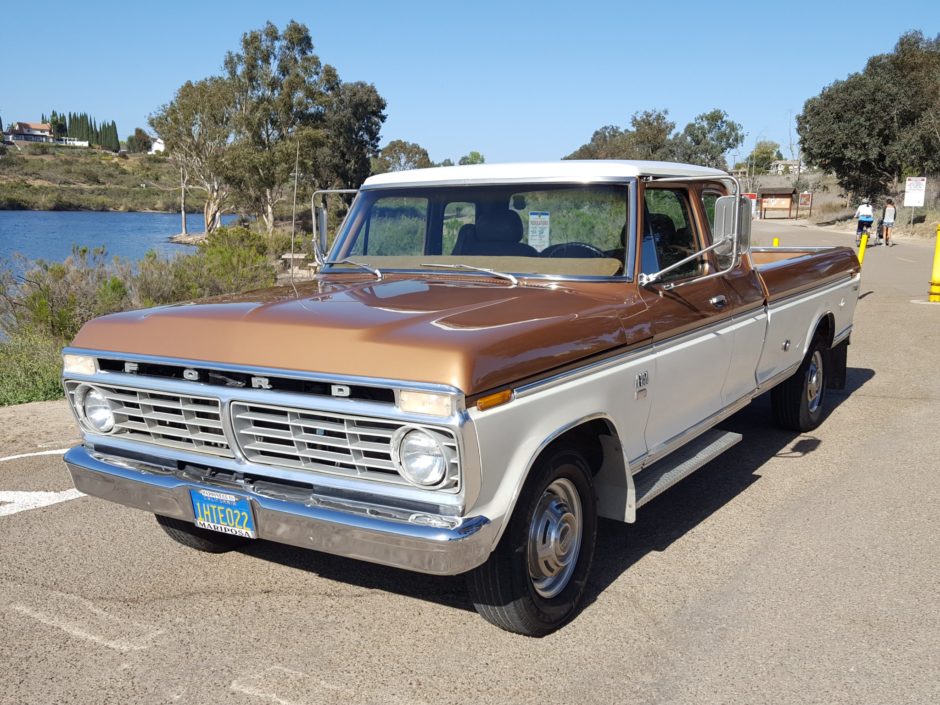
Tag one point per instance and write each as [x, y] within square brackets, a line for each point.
[915, 188]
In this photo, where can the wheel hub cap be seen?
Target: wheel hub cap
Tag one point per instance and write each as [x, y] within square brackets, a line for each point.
[814, 381]
[555, 538]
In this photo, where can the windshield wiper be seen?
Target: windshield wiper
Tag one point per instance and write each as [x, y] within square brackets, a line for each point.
[373, 270]
[470, 267]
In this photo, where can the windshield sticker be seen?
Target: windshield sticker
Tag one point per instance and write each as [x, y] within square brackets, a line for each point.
[539, 229]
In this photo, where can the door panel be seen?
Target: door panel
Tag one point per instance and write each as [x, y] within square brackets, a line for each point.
[693, 343]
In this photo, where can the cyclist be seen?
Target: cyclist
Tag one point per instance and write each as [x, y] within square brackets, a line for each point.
[866, 217]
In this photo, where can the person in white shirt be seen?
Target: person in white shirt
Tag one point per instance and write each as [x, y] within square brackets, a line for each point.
[887, 220]
[866, 217]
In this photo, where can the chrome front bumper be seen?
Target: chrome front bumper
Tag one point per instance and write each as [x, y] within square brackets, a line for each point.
[355, 530]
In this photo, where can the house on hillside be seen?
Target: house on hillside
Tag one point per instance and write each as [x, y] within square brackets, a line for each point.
[783, 167]
[157, 146]
[31, 132]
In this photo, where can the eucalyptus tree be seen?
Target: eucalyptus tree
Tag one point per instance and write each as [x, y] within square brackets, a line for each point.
[281, 92]
[197, 127]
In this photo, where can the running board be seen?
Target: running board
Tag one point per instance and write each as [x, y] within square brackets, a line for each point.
[662, 475]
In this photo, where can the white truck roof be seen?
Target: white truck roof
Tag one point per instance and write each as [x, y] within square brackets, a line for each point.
[534, 172]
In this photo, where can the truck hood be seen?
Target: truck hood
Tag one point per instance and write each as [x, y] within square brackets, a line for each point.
[472, 335]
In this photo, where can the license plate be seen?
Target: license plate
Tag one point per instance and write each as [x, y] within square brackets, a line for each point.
[223, 512]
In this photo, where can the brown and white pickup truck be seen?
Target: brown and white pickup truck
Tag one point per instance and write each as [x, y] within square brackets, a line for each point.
[490, 358]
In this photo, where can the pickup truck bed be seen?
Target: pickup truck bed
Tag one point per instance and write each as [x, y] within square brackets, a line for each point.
[786, 271]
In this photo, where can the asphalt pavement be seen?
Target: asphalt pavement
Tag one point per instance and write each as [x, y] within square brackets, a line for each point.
[793, 569]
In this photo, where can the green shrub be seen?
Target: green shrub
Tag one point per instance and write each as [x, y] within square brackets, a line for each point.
[30, 365]
[43, 310]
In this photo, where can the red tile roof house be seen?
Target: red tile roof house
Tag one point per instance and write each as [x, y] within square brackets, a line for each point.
[31, 132]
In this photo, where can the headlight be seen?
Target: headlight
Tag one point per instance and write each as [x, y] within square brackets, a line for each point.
[97, 411]
[420, 456]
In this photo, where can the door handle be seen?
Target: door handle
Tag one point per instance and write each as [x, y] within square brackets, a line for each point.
[719, 301]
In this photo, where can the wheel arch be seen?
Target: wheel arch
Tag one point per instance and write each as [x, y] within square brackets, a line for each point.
[598, 437]
[824, 324]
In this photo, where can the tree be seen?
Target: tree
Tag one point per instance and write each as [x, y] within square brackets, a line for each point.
[399, 155]
[281, 93]
[58, 124]
[352, 123]
[139, 142]
[764, 154]
[649, 138]
[873, 127]
[197, 128]
[707, 139]
[472, 158]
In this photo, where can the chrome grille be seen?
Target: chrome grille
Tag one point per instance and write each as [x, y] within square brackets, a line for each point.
[177, 421]
[325, 441]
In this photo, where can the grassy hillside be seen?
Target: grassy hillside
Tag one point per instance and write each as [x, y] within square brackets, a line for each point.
[59, 178]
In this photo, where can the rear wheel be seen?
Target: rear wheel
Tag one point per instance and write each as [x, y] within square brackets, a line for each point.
[200, 539]
[534, 580]
[798, 402]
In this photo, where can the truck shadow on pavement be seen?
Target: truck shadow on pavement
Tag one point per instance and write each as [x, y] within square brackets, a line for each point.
[619, 545]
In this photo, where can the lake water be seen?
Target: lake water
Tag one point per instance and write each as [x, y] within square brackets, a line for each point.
[50, 235]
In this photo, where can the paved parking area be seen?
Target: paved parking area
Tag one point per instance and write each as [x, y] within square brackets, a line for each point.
[793, 569]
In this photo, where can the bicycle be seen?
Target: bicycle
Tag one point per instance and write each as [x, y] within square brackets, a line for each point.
[864, 228]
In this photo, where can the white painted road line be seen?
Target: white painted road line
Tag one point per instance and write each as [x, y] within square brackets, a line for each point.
[58, 451]
[82, 619]
[283, 686]
[15, 502]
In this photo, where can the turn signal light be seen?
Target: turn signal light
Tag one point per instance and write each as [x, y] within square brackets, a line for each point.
[491, 400]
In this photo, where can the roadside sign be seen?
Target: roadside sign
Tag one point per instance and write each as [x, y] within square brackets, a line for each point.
[914, 190]
[806, 199]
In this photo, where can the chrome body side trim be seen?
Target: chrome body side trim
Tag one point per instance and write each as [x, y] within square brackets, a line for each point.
[689, 434]
[838, 339]
[412, 540]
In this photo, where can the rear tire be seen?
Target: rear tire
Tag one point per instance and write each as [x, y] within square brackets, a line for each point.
[798, 402]
[534, 580]
[203, 540]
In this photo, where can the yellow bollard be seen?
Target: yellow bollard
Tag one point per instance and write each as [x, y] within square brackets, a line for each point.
[776, 242]
[935, 276]
[861, 249]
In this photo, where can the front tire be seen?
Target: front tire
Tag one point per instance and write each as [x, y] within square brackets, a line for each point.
[798, 402]
[534, 580]
[203, 540]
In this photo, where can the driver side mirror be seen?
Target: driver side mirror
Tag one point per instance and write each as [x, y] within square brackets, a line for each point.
[732, 231]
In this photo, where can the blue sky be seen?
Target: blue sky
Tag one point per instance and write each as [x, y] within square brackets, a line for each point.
[516, 81]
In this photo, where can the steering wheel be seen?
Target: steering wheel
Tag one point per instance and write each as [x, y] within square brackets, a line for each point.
[572, 249]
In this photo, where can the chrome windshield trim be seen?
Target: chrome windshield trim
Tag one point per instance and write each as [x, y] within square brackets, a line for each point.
[385, 383]
[629, 182]
[504, 181]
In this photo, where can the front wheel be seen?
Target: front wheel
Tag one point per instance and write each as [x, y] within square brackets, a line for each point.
[203, 540]
[798, 402]
[534, 580]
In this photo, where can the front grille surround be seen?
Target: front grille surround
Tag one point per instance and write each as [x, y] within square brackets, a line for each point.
[329, 442]
[307, 442]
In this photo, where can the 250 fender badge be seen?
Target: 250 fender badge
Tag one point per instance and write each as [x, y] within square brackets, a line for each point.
[642, 380]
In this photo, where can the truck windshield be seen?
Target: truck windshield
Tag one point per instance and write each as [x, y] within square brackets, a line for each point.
[539, 229]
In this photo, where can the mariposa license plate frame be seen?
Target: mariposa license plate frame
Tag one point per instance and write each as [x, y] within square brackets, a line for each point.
[224, 512]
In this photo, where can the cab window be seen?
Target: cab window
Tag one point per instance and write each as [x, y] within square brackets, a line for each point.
[668, 234]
